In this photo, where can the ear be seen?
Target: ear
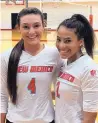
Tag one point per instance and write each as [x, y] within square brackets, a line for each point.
[45, 23]
[82, 42]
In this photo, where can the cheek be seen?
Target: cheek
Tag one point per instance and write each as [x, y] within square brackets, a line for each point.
[23, 34]
[22, 31]
[41, 30]
[57, 45]
[75, 47]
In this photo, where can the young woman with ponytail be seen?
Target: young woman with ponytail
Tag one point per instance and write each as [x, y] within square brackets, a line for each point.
[27, 72]
[77, 84]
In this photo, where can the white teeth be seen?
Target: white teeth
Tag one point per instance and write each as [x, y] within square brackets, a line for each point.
[32, 37]
[64, 51]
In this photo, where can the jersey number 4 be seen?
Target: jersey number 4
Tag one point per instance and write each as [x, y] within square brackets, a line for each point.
[57, 89]
[32, 86]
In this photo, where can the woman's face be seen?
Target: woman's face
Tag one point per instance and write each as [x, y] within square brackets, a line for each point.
[67, 43]
[31, 29]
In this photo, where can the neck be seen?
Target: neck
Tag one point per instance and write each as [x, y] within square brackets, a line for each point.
[75, 57]
[34, 50]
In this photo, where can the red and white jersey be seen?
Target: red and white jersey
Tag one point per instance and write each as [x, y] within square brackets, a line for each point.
[76, 90]
[34, 77]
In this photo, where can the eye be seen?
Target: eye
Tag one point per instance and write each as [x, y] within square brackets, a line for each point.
[36, 26]
[58, 39]
[25, 27]
[67, 41]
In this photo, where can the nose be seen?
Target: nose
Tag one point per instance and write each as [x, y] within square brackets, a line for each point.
[62, 45]
[31, 30]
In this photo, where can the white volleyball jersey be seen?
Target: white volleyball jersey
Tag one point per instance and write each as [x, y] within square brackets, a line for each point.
[76, 90]
[34, 77]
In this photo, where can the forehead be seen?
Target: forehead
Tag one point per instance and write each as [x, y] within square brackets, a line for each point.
[31, 18]
[64, 31]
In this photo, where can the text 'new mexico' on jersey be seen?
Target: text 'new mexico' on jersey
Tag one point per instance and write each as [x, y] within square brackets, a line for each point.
[34, 77]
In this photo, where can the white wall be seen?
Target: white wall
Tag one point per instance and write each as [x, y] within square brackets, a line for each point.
[6, 11]
[56, 12]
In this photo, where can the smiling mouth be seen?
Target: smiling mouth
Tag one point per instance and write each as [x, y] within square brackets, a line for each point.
[32, 37]
[64, 52]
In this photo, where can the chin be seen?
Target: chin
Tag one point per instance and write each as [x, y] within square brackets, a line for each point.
[64, 57]
[34, 42]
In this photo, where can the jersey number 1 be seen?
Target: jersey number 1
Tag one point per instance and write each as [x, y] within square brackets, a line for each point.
[32, 86]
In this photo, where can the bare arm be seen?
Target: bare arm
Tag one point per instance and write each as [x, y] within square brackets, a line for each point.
[3, 117]
[53, 95]
[89, 117]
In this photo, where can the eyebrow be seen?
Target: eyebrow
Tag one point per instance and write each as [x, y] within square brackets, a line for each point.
[64, 38]
[31, 24]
